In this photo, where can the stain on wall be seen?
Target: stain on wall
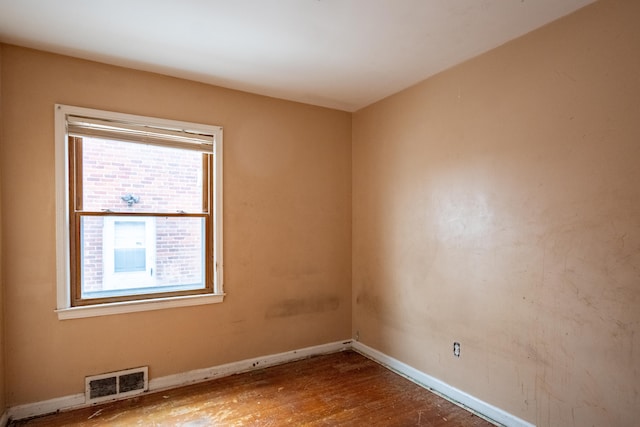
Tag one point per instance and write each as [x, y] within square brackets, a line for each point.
[299, 306]
[287, 171]
[497, 205]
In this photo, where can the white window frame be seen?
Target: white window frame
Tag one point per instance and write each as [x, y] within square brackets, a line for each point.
[63, 306]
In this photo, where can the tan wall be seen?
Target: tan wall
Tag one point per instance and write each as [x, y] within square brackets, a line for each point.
[3, 404]
[498, 205]
[287, 213]
[495, 204]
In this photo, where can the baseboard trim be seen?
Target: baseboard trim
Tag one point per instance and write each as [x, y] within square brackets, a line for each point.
[450, 393]
[29, 410]
[206, 374]
[77, 401]
[459, 397]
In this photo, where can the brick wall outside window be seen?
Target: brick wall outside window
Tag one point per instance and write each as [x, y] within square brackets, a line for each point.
[164, 180]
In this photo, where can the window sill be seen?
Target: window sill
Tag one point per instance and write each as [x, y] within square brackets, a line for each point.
[135, 306]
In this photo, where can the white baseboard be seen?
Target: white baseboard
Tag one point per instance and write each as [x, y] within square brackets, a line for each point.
[456, 396]
[199, 375]
[171, 381]
[459, 397]
[29, 410]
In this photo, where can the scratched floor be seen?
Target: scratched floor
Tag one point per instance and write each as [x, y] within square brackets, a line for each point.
[341, 389]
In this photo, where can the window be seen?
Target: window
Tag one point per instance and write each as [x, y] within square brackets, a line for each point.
[139, 212]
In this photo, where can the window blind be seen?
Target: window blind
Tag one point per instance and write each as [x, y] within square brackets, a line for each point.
[140, 133]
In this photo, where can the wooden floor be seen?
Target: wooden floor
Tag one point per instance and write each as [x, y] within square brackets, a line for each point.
[341, 389]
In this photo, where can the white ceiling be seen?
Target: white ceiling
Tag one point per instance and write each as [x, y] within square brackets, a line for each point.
[342, 54]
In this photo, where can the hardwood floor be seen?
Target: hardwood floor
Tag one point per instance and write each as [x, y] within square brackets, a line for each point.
[340, 389]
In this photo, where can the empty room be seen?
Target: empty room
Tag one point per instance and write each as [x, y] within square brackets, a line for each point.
[320, 212]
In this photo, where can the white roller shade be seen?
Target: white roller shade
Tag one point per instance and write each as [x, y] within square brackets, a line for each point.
[135, 132]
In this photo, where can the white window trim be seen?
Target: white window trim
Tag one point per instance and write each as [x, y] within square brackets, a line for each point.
[63, 306]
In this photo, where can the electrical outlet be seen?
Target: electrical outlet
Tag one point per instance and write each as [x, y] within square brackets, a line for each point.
[456, 349]
[357, 335]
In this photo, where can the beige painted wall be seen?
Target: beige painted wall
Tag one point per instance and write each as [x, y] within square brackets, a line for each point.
[3, 404]
[495, 204]
[498, 205]
[287, 230]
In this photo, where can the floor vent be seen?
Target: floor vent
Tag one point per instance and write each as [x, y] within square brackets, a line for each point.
[116, 385]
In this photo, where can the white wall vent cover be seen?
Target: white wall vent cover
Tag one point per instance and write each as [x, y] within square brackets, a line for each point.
[116, 385]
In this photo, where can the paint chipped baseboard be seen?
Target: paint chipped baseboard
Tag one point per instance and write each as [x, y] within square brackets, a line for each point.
[450, 393]
[74, 401]
[78, 401]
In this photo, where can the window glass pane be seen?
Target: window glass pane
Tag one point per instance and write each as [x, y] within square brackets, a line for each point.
[129, 177]
[180, 251]
[139, 255]
[129, 241]
[91, 251]
[129, 259]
